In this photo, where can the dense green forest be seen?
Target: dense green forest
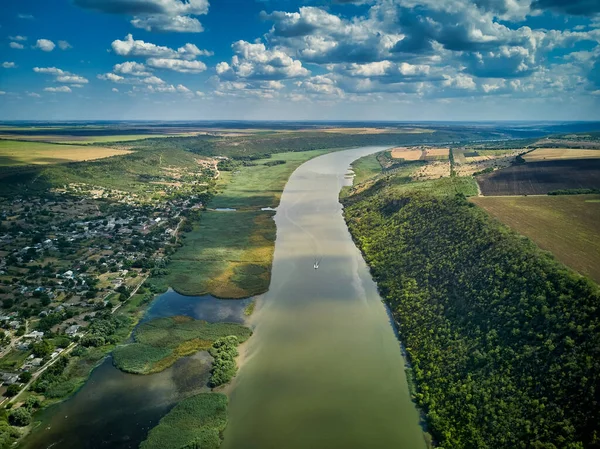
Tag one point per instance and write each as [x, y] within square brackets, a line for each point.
[503, 340]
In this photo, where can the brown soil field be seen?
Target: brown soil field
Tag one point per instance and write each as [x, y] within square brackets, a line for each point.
[436, 154]
[549, 154]
[466, 166]
[408, 154]
[539, 178]
[432, 170]
[567, 226]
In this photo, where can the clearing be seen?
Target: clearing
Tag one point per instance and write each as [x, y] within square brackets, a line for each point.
[566, 225]
[539, 178]
[15, 153]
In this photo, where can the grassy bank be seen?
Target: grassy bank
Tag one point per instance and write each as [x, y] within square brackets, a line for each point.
[161, 342]
[196, 422]
[502, 338]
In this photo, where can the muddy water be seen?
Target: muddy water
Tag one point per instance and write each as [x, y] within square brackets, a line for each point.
[324, 368]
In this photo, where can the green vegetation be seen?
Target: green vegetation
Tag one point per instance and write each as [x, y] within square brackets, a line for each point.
[224, 352]
[194, 423]
[161, 342]
[503, 340]
[574, 192]
[567, 226]
[227, 255]
[249, 310]
[366, 167]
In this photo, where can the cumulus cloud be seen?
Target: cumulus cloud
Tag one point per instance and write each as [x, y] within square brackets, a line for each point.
[114, 89]
[45, 45]
[111, 77]
[131, 68]
[16, 46]
[64, 45]
[153, 80]
[132, 47]
[177, 65]
[61, 76]
[34, 95]
[17, 38]
[255, 61]
[9, 65]
[155, 15]
[64, 89]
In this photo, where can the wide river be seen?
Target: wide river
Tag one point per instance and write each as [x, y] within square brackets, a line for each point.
[324, 368]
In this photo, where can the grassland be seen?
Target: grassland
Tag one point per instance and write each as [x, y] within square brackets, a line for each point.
[366, 167]
[259, 185]
[552, 154]
[196, 422]
[18, 153]
[567, 226]
[161, 342]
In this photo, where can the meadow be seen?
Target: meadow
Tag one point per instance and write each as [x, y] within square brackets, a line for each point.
[159, 343]
[549, 154]
[18, 153]
[196, 422]
[567, 226]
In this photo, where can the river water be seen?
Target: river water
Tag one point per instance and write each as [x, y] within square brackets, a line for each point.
[323, 368]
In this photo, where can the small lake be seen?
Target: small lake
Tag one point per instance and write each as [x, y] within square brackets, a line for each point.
[115, 409]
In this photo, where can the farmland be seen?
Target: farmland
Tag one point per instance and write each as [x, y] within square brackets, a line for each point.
[539, 178]
[18, 153]
[567, 226]
[549, 154]
[420, 153]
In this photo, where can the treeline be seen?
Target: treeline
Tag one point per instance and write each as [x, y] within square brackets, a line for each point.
[504, 341]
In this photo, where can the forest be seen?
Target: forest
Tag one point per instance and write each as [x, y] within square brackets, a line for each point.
[503, 341]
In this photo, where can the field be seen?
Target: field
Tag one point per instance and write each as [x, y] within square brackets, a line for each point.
[539, 178]
[161, 342]
[17, 153]
[549, 154]
[408, 154]
[259, 185]
[468, 161]
[366, 167]
[196, 422]
[567, 226]
[228, 255]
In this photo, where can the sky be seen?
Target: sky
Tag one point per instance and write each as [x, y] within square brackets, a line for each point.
[404, 60]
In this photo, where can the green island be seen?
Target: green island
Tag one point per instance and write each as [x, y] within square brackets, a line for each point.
[502, 339]
[161, 342]
[194, 423]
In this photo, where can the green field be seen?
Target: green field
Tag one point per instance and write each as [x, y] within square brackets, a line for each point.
[161, 342]
[196, 422]
[567, 226]
[259, 185]
[15, 153]
[366, 167]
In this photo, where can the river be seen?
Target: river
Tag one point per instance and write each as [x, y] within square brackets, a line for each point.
[324, 368]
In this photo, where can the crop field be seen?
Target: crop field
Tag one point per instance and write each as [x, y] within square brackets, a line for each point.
[549, 154]
[16, 153]
[161, 342]
[436, 154]
[539, 178]
[408, 154]
[567, 226]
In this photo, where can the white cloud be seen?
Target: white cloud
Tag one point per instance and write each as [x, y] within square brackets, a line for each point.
[459, 81]
[65, 89]
[73, 79]
[9, 65]
[131, 47]
[50, 70]
[181, 88]
[45, 45]
[200, 94]
[16, 45]
[64, 45]
[17, 38]
[34, 94]
[131, 68]
[114, 89]
[153, 80]
[111, 77]
[155, 15]
[177, 65]
[2, 92]
[255, 61]
[25, 16]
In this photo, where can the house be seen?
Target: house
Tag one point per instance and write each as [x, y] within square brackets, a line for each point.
[35, 335]
[9, 378]
[72, 330]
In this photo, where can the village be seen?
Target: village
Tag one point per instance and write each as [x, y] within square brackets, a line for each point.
[68, 260]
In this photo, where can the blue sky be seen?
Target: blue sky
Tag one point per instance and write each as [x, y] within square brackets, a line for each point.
[300, 59]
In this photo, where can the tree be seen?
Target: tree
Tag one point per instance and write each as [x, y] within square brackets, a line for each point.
[42, 349]
[19, 417]
[25, 377]
[12, 390]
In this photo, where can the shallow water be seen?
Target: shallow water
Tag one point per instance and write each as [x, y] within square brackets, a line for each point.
[323, 368]
[115, 409]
